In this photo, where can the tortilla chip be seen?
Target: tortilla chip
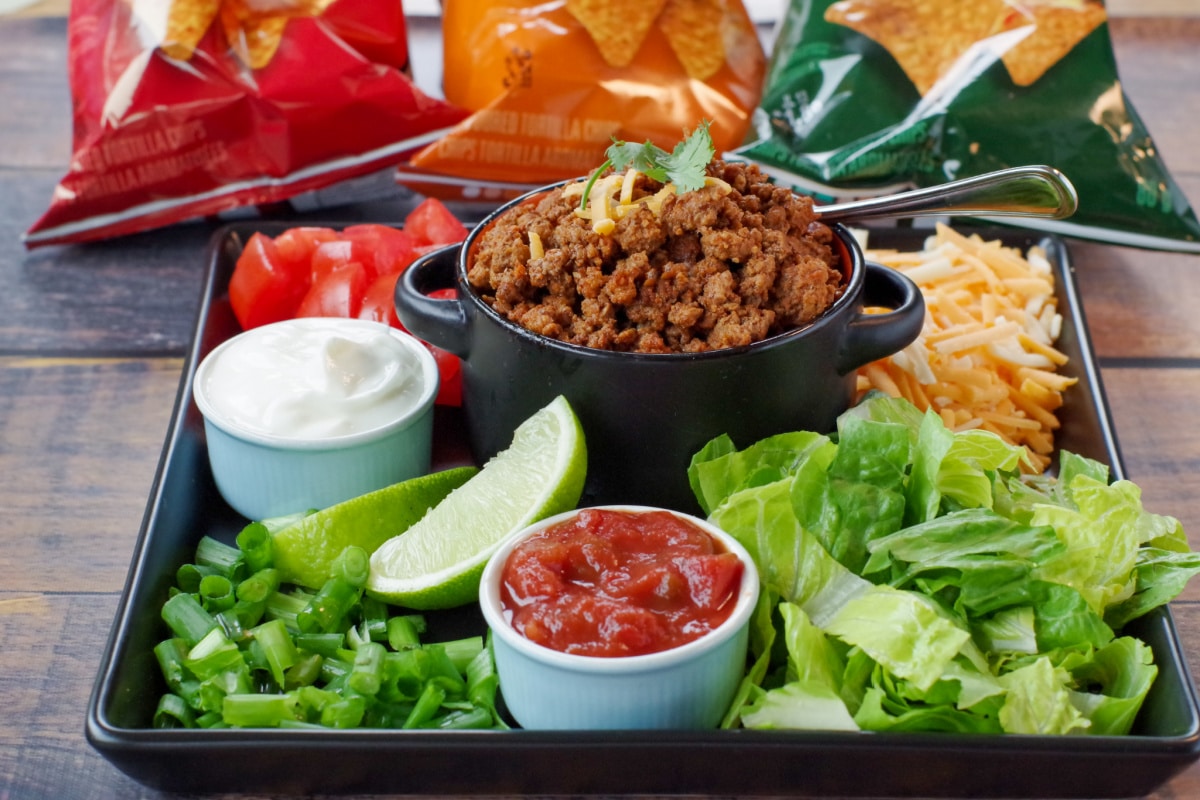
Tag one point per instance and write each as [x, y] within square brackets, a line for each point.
[1058, 28]
[926, 37]
[187, 22]
[262, 37]
[694, 30]
[618, 27]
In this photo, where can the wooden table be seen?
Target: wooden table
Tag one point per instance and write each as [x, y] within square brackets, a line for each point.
[92, 341]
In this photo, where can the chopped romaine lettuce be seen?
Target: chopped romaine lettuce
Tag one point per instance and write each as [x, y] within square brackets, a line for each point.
[914, 579]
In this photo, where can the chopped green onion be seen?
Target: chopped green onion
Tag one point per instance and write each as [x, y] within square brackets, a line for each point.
[375, 618]
[367, 672]
[472, 718]
[187, 619]
[171, 654]
[335, 669]
[352, 565]
[213, 691]
[327, 610]
[443, 670]
[254, 542]
[277, 647]
[266, 655]
[287, 606]
[225, 559]
[344, 713]
[216, 593]
[325, 644]
[212, 654]
[259, 586]
[426, 707]
[462, 651]
[402, 633]
[305, 672]
[259, 710]
[173, 712]
[211, 719]
[188, 576]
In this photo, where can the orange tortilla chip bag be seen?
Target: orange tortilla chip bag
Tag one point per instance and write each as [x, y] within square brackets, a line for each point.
[549, 85]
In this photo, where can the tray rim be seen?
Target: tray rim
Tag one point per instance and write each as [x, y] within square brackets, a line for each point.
[125, 747]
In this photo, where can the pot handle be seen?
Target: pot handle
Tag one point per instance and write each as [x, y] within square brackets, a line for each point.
[875, 336]
[439, 321]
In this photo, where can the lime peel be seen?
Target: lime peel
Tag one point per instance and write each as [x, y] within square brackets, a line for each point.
[304, 551]
[438, 561]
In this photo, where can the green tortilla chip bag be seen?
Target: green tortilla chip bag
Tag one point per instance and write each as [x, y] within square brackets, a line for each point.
[867, 97]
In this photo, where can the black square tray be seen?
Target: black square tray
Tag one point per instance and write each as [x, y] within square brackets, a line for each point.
[184, 505]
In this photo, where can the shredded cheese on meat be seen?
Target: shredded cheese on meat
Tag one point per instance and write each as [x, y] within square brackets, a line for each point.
[601, 209]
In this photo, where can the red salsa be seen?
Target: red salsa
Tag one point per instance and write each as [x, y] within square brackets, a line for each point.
[615, 583]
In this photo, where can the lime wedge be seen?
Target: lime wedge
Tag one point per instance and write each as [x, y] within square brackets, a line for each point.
[437, 562]
[305, 550]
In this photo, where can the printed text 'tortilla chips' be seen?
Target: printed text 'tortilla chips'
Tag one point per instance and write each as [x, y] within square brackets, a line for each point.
[618, 27]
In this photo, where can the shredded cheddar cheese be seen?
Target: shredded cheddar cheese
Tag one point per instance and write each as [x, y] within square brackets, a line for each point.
[611, 198]
[986, 356]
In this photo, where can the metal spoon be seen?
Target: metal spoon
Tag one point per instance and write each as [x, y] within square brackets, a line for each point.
[1034, 191]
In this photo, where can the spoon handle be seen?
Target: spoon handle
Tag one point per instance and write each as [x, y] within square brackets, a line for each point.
[1033, 191]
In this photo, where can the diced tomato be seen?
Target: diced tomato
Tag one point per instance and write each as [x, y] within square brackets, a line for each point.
[331, 256]
[449, 365]
[312, 271]
[450, 374]
[265, 288]
[383, 249]
[432, 224]
[338, 293]
[299, 244]
[379, 303]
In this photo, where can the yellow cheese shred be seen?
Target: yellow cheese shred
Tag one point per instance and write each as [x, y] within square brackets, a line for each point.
[604, 215]
[985, 357]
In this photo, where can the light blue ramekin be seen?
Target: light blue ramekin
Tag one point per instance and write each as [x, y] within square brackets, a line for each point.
[262, 476]
[686, 687]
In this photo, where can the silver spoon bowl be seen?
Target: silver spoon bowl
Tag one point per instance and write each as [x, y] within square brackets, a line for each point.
[1032, 191]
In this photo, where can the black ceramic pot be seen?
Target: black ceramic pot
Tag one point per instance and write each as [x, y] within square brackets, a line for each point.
[645, 415]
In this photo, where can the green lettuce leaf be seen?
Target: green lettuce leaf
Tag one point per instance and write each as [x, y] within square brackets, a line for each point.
[1038, 701]
[900, 630]
[914, 579]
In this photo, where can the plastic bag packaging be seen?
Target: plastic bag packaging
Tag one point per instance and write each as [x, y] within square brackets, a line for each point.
[190, 108]
[550, 84]
[866, 97]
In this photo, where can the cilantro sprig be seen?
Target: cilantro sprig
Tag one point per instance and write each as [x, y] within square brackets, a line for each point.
[684, 166]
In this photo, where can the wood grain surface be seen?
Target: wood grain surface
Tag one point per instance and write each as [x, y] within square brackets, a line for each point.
[92, 341]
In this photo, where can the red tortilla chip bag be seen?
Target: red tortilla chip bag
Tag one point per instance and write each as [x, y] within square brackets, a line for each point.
[189, 108]
[551, 84]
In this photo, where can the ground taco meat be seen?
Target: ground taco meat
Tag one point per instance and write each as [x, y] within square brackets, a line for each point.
[717, 267]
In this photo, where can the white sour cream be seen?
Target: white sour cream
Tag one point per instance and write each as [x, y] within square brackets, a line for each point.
[314, 378]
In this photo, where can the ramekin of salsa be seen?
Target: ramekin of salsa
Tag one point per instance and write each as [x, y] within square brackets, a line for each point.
[619, 617]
